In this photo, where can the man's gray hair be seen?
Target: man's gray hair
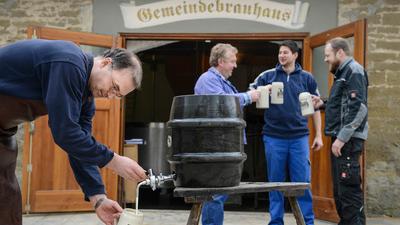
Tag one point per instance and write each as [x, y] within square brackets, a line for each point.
[124, 59]
[340, 43]
[219, 51]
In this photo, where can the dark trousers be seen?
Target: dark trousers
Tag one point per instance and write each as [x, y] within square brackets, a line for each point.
[10, 195]
[13, 111]
[346, 175]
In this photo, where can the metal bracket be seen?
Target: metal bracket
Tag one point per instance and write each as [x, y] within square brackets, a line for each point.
[32, 127]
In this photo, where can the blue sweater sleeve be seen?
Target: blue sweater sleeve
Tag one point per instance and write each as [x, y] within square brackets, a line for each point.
[68, 121]
[312, 86]
[87, 114]
[260, 80]
[88, 177]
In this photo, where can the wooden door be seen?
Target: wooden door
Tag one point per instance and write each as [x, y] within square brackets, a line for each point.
[321, 180]
[48, 183]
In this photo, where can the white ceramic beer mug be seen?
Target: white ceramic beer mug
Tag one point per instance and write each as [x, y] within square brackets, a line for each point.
[307, 107]
[130, 217]
[277, 93]
[263, 101]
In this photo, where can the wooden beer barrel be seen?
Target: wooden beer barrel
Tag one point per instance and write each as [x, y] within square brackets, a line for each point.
[206, 140]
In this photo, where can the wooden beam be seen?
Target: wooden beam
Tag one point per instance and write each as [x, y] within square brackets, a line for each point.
[214, 36]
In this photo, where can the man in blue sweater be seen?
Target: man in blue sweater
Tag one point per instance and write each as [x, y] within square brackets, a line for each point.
[285, 132]
[57, 78]
[215, 81]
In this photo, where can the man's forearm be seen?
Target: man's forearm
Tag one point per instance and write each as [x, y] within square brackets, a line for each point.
[317, 123]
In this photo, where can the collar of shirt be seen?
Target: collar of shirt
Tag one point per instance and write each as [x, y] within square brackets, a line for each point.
[297, 68]
[214, 70]
[346, 61]
[217, 73]
[341, 67]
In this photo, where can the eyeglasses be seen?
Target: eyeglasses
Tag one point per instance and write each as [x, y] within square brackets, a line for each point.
[115, 88]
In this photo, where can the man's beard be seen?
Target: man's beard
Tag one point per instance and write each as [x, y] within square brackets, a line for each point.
[334, 66]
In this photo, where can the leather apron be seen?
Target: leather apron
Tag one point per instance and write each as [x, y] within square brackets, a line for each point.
[13, 111]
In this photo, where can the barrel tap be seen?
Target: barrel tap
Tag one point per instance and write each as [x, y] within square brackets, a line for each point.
[154, 181]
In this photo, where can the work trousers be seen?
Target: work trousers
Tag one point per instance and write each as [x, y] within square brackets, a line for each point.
[346, 177]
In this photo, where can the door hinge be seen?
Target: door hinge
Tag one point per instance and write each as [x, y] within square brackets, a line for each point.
[27, 208]
[34, 36]
[29, 168]
[32, 127]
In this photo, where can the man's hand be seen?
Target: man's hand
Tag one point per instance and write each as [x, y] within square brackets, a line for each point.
[127, 168]
[337, 147]
[107, 210]
[269, 88]
[254, 95]
[317, 144]
[317, 101]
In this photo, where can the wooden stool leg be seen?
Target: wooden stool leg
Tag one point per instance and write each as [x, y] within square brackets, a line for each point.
[194, 216]
[298, 215]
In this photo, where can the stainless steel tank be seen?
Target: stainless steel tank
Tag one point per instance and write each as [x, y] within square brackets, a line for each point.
[153, 151]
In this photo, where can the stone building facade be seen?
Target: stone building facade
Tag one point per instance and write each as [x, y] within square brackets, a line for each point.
[383, 52]
[17, 15]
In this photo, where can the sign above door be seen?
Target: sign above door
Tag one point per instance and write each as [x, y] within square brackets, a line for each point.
[290, 16]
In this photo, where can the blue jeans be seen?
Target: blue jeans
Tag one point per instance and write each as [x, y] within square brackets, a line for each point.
[213, 211]
[292, 154]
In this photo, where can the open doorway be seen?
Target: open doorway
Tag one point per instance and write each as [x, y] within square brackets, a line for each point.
[171, 68]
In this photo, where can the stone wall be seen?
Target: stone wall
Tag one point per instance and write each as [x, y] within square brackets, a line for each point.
[17, 15]
[383, 65]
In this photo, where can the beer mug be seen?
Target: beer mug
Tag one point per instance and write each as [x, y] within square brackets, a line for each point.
[277, 93]
[129, 217]
[306, 104]
[263, 101]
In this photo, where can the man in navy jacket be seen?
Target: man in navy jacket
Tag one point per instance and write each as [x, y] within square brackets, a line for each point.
[285, 132]
[57, 78]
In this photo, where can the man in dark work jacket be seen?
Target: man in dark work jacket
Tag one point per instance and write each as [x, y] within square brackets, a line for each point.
[346, 122]
[57, 78]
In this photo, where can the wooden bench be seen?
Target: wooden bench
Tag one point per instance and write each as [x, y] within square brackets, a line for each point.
[197, 196]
